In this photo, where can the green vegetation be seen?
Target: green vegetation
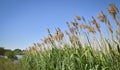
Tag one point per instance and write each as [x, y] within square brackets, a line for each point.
[7, 64]
[18, 52]
[9, 53]
[72, 59]
[7, 59]
[2, 51]
[87, 49]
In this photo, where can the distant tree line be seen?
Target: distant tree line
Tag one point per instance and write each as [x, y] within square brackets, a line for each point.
[11, 54]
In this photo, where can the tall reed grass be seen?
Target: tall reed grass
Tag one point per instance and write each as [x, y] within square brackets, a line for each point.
[88, 48]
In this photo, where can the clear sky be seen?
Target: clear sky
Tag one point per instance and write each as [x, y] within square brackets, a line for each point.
[24, 22]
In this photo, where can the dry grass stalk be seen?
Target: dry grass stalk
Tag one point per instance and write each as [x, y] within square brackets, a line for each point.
[103, 42]
[97, 25]
[113, 11]
[48, 30]
[68, 24]
[102, 17]
[110, 27]
[83, 19]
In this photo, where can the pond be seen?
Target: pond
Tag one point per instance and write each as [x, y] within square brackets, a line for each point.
[18, 57]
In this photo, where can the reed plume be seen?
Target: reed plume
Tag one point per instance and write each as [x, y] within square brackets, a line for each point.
[113, 10]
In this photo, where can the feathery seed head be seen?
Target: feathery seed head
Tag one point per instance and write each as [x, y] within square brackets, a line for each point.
[66, 32]
[83, 26]
[113, 10]
[91, 29]
[72, 30]
[45, 40]
[39, 44]
[78, 17]
[102, 17]
[74, 23]
[72, 39]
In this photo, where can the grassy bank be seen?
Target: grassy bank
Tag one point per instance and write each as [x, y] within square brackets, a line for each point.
[7, 64]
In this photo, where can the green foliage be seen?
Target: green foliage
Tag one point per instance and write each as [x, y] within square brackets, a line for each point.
[10, 55]
[2, 51]
[71, 59]
[7, 64]
[17, 51]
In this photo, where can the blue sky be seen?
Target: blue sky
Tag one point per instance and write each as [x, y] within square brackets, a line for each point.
[24, 22]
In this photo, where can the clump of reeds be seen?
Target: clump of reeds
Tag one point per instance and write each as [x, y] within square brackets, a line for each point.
[86, 48]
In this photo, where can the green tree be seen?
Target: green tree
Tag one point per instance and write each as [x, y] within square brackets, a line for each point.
[10, 55]
[2, 51]
[17, 52]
